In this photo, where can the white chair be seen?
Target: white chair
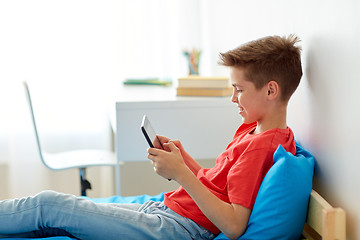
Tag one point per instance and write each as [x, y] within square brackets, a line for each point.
[80, 159]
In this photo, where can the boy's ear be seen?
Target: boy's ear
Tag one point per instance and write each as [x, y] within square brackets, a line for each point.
[273, 89]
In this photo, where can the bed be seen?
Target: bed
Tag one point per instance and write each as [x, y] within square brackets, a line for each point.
[286, 206]
[323, 220]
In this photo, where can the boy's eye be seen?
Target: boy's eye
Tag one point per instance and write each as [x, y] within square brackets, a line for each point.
[237, 90]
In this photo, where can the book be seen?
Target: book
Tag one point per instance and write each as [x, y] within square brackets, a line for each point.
[147, 81]
[204, 91]
[194, 81]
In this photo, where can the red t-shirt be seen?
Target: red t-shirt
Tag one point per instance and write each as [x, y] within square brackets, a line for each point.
[238, 172]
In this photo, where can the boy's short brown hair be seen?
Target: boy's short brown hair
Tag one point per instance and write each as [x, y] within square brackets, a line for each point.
[270, 58]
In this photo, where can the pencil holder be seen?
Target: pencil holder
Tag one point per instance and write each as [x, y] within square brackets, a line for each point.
[193, 58]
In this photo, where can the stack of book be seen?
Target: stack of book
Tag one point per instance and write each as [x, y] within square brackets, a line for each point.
[194, 85]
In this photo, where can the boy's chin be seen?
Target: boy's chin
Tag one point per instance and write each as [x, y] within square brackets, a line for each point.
[247, 121]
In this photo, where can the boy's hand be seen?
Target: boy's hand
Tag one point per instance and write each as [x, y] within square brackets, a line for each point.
[167, 163]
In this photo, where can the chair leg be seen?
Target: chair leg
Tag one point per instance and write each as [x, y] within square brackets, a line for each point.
[84, 183]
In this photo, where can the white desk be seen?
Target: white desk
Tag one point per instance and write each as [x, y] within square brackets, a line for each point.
[205, 125]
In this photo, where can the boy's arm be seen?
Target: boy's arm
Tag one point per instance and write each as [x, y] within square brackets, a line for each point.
[231, 219]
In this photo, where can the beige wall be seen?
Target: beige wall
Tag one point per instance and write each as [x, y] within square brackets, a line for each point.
[4, 179]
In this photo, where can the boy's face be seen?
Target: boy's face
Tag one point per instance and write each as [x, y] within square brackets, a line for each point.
[251, 102]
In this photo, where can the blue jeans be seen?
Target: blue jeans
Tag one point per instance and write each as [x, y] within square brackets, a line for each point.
[55, 214]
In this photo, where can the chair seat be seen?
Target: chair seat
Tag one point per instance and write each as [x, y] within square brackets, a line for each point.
[79, 159]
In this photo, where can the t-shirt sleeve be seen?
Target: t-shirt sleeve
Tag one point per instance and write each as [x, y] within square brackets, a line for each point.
[246, 175]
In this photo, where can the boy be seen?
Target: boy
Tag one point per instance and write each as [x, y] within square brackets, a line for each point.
[264, 74]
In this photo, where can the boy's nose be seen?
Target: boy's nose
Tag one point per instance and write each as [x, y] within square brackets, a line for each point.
[234, 98]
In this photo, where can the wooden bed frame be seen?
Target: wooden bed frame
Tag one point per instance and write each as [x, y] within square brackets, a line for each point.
[324, 221]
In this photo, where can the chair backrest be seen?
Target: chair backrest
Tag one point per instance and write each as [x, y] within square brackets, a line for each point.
[324, 221]
[28, 98]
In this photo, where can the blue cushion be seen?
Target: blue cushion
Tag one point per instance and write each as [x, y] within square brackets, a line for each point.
[281, 205]
[48, 238]
[130, 199]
